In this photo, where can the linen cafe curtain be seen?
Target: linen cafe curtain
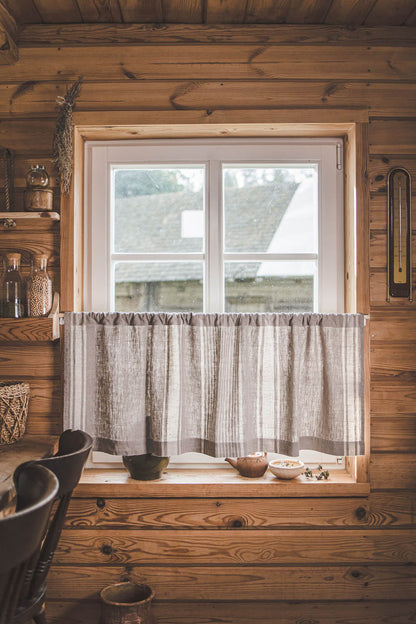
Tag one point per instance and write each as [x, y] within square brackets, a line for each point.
[219, 384]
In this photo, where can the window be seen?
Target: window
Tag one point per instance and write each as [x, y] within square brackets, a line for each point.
[215, 225]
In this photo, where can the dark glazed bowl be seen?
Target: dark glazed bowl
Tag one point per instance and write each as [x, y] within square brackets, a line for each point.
[145, 467]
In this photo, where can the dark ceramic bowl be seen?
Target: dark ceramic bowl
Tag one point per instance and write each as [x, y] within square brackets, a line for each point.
[145, 467]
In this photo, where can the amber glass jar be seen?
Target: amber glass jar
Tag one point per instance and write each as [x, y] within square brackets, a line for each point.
[39, 288]
[12, 289]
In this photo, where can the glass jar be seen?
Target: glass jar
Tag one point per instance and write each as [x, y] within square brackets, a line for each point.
[12, 289]
[37, 177]
[39, 288]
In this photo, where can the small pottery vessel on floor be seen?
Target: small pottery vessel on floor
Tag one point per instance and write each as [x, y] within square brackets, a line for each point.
[146, 467]
[127, 603]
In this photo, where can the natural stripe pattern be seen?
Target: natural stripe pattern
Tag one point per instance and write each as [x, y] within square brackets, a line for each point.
[219, 384]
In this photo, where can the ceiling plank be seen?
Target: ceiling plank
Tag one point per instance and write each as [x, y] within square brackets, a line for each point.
[135, 11]
[389, 12]
[9, 52]
[349, 12]
[43, 35]
[307, 11]
[182, 11]
[99, 10]
[65, 11]
[266, 11]
[23, 11]
[225, 11]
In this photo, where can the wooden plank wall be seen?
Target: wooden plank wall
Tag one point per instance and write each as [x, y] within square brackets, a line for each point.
[328, 560]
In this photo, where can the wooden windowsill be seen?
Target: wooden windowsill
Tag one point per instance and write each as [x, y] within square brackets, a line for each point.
[187, 483]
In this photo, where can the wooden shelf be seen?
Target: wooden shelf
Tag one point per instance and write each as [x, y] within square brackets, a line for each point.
[32, 329]
[27, 220]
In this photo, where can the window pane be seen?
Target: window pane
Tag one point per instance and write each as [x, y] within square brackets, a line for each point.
[270, 286]
[159, 210]
[271, 209]
[159, 286]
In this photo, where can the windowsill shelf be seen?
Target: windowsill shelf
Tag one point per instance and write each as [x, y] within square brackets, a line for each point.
[27, 220]
[193, 483]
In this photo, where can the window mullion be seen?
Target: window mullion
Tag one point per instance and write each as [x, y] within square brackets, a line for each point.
[214, 269]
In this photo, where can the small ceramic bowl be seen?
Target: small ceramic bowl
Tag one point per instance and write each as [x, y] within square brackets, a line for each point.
[286, 468]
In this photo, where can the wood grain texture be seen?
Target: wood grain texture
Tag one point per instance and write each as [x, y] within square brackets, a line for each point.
[40, 97]
[392, 136]
[40, 360]
[389, 433]
[220, 513]
[392, 399]
[230, 62]
[257, 583]
[363, 612]
[136, 33]
[378, 208]
[9, 52]
[393, 471]
[237, 547]
[28, 329]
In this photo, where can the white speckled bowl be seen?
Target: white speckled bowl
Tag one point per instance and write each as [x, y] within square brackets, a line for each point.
[286, 468]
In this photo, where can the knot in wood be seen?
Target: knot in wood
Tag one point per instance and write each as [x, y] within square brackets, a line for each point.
[360, 513]
[106, 549]
[100, 503]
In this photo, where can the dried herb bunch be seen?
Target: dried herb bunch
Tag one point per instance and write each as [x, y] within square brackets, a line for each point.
[62, 141]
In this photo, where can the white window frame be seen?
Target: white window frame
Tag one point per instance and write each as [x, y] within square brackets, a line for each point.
[99, 255]
[102, 156]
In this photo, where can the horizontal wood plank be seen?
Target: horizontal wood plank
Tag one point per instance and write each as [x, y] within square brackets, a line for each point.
[392, 433]
[378, 170]
[393, 471]
[31, 242]
[393, 327]
[31, 35]
[242, 583]
[398, 356]
[40, 360]
[224, 513]
[392, 509]
[392, 136]
[363, 612]
[171, 547]
[232, 62]
[392, 399]
[378, 249]
[40, 97]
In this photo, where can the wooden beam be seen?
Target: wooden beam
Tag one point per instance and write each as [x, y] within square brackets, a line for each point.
[31, 35]
[9, 52]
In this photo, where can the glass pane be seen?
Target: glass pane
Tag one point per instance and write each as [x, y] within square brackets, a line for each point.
[159, 286]
[270, 286]
[271, 208]
[159, 210]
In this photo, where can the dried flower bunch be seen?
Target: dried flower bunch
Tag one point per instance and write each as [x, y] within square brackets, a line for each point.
[62, 142]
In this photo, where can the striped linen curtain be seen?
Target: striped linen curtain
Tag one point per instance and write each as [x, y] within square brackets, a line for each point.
[219, 384]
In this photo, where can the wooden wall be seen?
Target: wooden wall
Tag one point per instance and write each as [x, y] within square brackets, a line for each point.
[307, 560]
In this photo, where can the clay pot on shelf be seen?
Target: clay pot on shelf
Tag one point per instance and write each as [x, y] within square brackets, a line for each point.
[146, 467]
[253, 465]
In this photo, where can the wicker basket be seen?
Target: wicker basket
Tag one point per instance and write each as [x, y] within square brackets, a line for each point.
[14, 401]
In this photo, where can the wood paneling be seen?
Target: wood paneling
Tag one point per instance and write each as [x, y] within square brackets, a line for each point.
[255, 583]
[34, 35]
[229, 62]
[386, 611]
[220, 513]
[215, 554]
[259, 548]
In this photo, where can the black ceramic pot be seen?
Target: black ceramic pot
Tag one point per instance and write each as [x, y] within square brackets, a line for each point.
[145, 467]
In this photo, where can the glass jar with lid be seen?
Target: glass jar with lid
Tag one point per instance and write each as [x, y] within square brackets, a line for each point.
[12, 289]
[37, 177]
[39, 288]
